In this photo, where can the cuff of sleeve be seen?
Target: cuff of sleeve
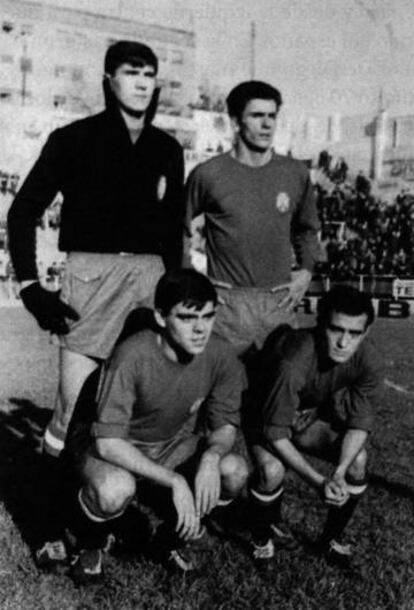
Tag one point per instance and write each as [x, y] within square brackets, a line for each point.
[215, 424]
[360, 424]
[308, 263]
[100, 430]
[274, 433]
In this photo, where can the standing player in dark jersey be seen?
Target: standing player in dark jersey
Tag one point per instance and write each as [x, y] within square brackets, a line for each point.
[314, 394]
[121, 181]
[257, 205]
[168, 395]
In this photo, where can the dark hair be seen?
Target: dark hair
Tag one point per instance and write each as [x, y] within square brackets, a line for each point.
[129, 52]
[346, 300]
[186, 286]
[239, 97]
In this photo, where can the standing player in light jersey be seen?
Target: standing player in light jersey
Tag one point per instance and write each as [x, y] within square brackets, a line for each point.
[257, 205]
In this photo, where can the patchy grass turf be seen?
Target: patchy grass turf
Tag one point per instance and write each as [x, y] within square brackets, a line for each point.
[383, 576]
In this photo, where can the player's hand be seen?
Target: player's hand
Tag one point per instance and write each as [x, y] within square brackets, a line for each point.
[207, 484]
[334, 493]
[46, 306]
[188, 524]
[296, 289]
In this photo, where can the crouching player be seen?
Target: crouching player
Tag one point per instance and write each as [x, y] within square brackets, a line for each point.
[315, 396]
[157, 385]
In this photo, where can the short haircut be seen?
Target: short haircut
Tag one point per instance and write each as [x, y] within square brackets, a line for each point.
[186, 286]
[347, 300]
[241, 95]
[129, 52]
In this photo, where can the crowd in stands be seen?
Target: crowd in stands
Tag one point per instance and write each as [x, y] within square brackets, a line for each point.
[361, 234]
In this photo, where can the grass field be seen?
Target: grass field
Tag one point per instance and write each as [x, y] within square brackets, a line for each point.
[381, 579]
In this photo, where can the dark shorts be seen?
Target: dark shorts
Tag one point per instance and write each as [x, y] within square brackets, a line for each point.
[103, 289]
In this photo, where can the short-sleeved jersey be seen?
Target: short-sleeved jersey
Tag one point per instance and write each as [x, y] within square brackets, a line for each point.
[253, 216]
[295, 375]
[147, 397]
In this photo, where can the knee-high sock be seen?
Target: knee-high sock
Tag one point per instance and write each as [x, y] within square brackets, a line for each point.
[264, 509]
[339, 517]
[50, 499]
[90, 529]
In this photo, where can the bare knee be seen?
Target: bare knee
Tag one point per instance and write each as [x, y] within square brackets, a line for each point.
[358, 467]
[270, 473]
[110, 493]
[233, 471]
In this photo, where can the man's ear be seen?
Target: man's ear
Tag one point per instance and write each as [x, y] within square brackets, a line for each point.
[159, 318]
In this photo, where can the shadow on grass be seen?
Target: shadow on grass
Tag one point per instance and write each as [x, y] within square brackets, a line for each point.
[21, 430]
[393, 487]
[22, 489]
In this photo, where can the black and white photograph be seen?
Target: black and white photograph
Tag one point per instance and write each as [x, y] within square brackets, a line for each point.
[206, 305]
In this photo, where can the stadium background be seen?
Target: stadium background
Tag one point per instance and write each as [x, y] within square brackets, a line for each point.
[50, 57]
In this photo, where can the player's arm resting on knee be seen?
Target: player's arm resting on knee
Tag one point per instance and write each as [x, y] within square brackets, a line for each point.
[280, 406]
[330, 491]
[292, 458]
[119, 415]
[124, 454]
[222, 419]
[37, 192]
[207, 481]
[352, 443]
[363, 395]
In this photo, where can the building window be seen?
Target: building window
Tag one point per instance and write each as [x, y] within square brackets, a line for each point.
[26, 29]
[60, 71]
[177, 57]
[395, 133]
[6, 59]
[161, 53]
[175, 84]
[7, 27]
[26, 64]
[77, 73]
[6, 95]
[59, 101]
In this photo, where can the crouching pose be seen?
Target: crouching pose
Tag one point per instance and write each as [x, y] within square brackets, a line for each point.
[159, 390]
[315, 396]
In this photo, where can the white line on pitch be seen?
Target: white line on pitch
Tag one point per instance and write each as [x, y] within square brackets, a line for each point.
[398, 388]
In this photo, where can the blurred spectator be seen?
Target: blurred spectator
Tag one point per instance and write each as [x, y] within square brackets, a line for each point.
[361, 234]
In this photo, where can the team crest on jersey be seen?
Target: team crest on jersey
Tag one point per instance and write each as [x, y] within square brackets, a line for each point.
[282, 203]
[161, 188]
[196, 405]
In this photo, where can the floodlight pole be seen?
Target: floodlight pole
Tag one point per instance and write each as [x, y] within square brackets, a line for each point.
[252, 49]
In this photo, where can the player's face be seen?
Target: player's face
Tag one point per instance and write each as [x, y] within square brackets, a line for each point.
[257, 124]
[189, 329]
[133, 86]
[344, 335]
